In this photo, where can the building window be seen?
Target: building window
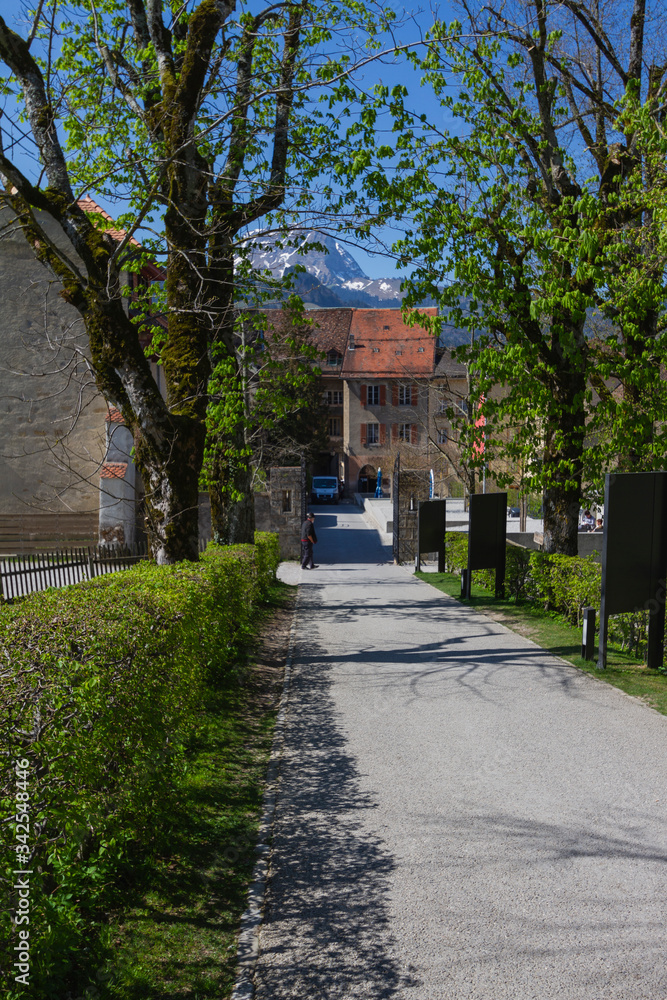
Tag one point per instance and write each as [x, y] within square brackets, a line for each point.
[405, 432]
[373, 434]
[334, 359]
[334, 397]
[442, 406]
[286, 505]
[372, 395]
[335, 427]
[442, 436]
[405, 395]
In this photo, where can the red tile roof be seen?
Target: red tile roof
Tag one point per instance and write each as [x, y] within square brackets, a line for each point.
[92, 208]
[114, 416]
[113, 470]
[149, 270]
[385, 347]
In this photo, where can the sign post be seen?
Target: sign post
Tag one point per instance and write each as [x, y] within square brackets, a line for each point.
[432, 519]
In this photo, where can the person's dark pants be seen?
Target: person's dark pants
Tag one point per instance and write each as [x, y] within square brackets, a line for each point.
[307, 554]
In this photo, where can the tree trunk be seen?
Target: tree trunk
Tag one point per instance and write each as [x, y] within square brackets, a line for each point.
[171, 480]
[563, 450]
[561, 520]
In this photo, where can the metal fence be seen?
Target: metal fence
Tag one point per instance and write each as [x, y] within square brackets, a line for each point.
[25, 574]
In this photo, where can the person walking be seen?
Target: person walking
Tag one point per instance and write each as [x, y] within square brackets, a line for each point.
[308, 539]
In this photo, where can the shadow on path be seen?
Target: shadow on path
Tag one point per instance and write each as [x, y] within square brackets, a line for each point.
[326, 931]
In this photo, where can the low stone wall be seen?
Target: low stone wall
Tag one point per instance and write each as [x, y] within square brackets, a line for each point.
[380, 512]
[588, 542]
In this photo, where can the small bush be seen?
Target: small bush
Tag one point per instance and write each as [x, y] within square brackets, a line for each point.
[517, 568]
[456, 551]
[101, 686]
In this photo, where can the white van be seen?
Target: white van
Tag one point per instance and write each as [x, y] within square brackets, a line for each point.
[324, 489]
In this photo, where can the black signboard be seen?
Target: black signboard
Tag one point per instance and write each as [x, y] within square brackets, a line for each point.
[432, 519]
[487, 536]
[634, 554]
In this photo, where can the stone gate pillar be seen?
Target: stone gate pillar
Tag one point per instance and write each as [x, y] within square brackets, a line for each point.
[413, 486]
[279, 510]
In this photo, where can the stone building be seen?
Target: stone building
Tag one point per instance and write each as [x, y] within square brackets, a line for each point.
[67, 472]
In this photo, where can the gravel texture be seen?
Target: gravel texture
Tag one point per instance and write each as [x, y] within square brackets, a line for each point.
[459, 814]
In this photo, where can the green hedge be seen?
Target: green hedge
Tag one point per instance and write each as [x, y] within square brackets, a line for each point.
[100, 689]
[563, 584]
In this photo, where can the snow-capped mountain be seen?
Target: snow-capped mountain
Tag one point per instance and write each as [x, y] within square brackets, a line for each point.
[331, 265]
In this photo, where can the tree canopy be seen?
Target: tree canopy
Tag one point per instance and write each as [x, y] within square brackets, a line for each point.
[533, 213]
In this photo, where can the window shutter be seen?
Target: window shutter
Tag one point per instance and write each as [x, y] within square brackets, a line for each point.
[383, 433]
[414, 434]
[364, 433]
[394, 394]
[394, 432]
[383, 395]
[363, 399]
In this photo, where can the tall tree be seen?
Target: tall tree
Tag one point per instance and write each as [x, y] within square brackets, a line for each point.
[198, 119]
[507, 214]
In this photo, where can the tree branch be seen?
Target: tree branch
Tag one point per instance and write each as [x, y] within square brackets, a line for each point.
[274, 192]
[15, 53]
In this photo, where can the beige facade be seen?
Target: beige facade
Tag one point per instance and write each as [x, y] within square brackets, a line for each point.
[52, 418]
[384, 416]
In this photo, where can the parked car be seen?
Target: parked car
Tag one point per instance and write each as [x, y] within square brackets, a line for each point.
[324, 489]
[513, 512]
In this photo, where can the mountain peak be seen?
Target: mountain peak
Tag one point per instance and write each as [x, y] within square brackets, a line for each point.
[327, 260]
[331, 265]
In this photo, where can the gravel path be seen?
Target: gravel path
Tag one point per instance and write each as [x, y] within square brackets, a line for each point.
[459, 815]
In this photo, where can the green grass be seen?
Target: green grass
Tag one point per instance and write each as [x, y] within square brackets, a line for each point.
[175, 922]
[556, 635]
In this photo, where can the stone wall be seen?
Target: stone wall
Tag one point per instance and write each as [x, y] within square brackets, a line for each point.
[280, 509]
[413, 487]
